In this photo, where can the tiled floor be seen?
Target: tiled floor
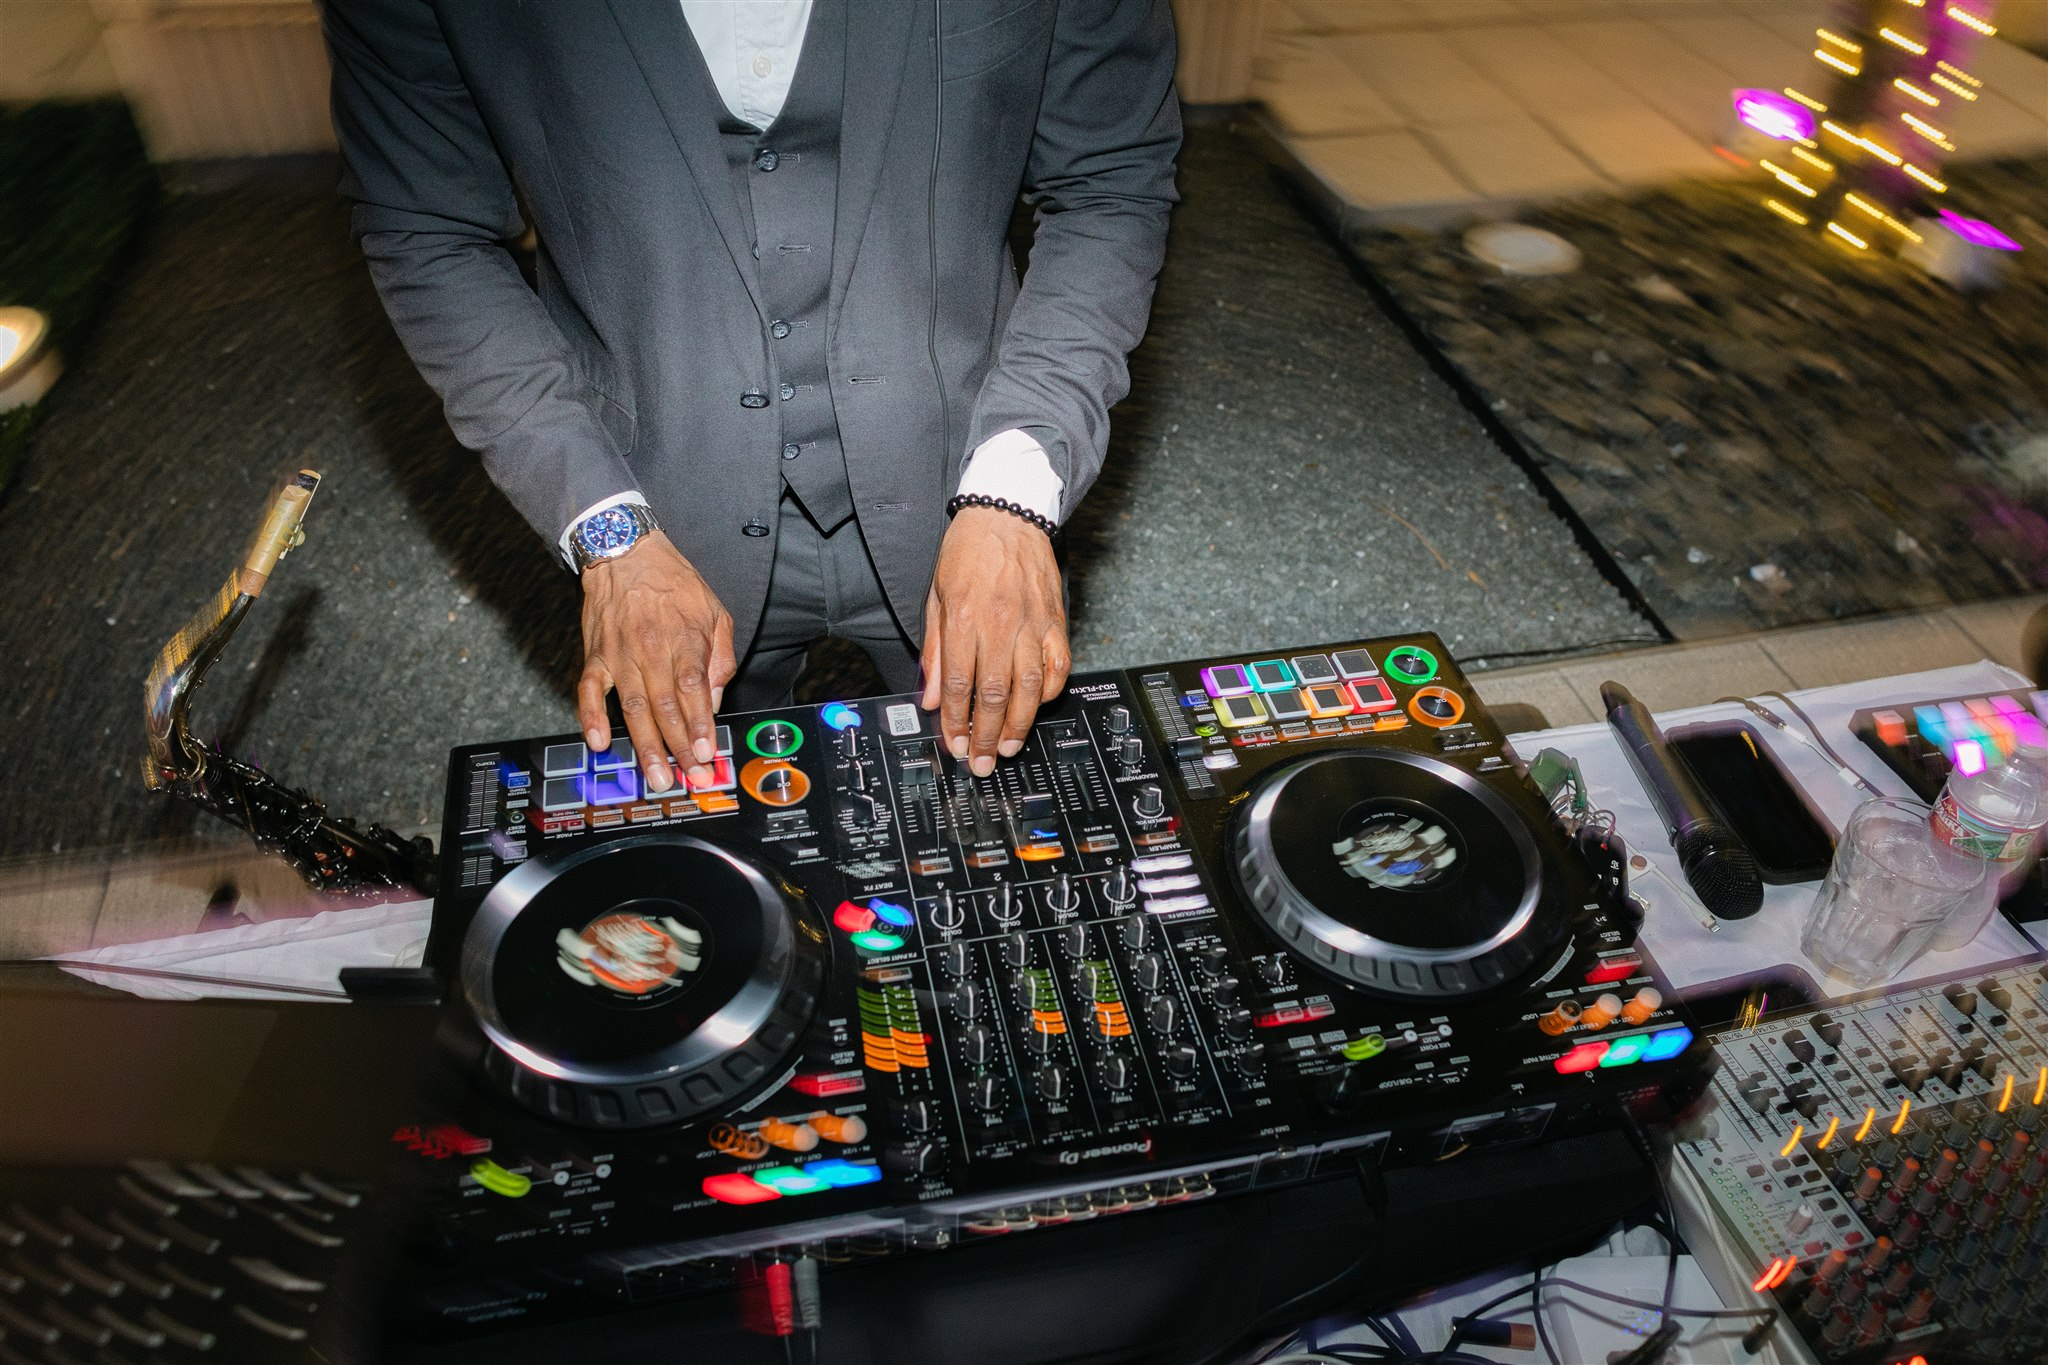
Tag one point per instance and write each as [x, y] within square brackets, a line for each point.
[1436, 110]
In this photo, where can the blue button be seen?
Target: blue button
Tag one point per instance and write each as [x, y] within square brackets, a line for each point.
[1666, 1044]
[889, 912]
[839, 716]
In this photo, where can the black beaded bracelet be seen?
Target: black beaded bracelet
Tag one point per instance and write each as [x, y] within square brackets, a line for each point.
[1043, 523]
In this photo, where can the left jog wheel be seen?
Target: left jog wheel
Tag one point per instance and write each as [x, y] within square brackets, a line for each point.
[641, 982]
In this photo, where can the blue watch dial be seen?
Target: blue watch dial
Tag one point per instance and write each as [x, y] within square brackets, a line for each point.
[609, 532]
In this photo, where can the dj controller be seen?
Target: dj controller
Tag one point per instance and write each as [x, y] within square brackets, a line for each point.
[1220, 925]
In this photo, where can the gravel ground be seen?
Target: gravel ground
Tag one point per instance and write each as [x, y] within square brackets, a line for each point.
[1286, 471]
[1760, 427]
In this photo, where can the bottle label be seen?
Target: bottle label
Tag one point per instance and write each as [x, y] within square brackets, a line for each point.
[1967, 832]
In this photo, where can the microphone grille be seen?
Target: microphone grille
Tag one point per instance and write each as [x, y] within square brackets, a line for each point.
[1720, 869]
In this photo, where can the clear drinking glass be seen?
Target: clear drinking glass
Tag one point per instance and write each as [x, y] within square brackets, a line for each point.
[1890, 888]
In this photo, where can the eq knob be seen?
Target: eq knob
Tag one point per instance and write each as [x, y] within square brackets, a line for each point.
[1149, 803]
[1237, 1025]
[1148, 970]
[967, 1000]
[1211, 959]
[1131, 930]
[1273, 970]
[1063, 895]
[1223, 990]
[952, 959]
[978, 1045]
[915, 1114]
[1165, 1016]
[1117, 720]
[1115, 1069]
[1251, 1059]
[1074, 940]
[1051, 1081]
[1016, 949]
[1121, 887]
[985, 1091]
[1039, 1042]
[915, 1157]
[1181, 1060]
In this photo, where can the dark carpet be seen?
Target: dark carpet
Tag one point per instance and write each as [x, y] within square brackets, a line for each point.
[1287, 470]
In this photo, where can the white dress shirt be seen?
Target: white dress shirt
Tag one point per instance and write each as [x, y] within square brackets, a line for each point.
[751, 47]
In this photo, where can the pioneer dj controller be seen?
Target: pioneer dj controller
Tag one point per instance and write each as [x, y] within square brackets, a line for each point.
[1219, 925]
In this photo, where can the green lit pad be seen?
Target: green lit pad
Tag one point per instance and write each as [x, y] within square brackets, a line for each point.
[1622, 1051]
[1364, 1049]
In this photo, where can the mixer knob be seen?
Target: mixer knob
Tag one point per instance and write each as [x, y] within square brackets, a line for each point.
[1116, 1071]
[1799, 1045]
[1132, 931]
[911, 1158]
[1212, 958]
[967, 1000]
[849, 741]
[1051, 1081]
[1039, 1041]
[1150, 802]
[1149, 971]
[1074, 940]
[1096, 981]
[946, 912]
[1017, 949]
[1962, 997]
[1224, 991]
[1165, 1016]
[985, 1091]
[915, 1114]
[1830, 1032]
[1063, 896]
[1181, 1061]
[1237, 1025]
[1251, 1059]
[1807, 1105]
[1273, 970]
[952, 959]
[978, 1045]
[1005, 906]
[1131, 751]
[1117, 720]
[1999, 996]
[1121, 888]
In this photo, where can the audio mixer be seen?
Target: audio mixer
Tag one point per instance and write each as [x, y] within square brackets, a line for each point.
[1879, 1162]
[1220, 924]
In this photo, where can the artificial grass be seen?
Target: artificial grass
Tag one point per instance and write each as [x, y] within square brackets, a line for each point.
[74, 186]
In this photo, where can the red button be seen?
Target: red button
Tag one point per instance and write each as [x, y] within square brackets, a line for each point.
[853, 918]
[737, 1189]
[1584, 1057]
[1373, 694]
[1614, 969]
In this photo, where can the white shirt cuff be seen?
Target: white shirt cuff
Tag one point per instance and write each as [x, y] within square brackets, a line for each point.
[1011, 466]
[603, 505]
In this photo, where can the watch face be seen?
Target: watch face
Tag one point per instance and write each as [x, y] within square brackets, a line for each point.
[608, 532]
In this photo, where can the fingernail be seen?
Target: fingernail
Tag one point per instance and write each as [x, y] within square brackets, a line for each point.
[705, 753]
[984, 765]
[700, 777]
[959, 747]
[1010, 748]
[598, 738]
[658, 778]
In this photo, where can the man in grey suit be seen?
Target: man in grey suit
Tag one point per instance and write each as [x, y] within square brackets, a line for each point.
[779, 378]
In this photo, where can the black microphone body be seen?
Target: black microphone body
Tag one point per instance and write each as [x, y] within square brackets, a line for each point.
[1718, 865]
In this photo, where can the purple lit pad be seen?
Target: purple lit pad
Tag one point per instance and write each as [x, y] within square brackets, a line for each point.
[2029, 731]
[1976, 231]
[1969, 757]
[1774, 115]
[1226, 680]
[612, 789]
[2006, 706]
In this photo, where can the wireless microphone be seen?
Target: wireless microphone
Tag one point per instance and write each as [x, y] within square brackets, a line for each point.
[1717, 864]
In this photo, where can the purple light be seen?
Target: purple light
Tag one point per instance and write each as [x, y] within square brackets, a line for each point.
[1774, 115]
[1969, 757]
[1977, 232]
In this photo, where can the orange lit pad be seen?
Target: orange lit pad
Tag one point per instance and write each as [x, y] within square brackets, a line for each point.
[1328, 699]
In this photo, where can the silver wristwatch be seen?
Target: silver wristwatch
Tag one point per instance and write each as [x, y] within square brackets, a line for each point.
[610, 533]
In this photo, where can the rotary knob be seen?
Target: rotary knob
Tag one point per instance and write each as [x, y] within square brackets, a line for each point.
[1237, 1025]
[1121, 887]
[946, 912]
[1016, 949]
[1116, 1071]
[915, 1114]
[967, 1000]
[1131, 751]
[1211, 959]
[952, 959]
[1149, 803]
[1039, 1042]
[1063, 895]
[1117, 720]
[985, 1092]
[1165, 1016]
[1004, 904]
[1181, 1060]
[1074, 940]
[1051, 1081]
[1251, 1059]
[1223, 990]
[978, 1045]
[1273, 970]
[915, 1157]
[1149, 971]
[1131, 930]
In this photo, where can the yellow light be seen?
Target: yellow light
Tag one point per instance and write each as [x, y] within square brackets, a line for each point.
[2041, 1086]
[1888, 157]
[1846, 68]
[1905, 1106]
[1834, 1122]
[1892, 36]
[1928, 131]
[1969, 20]
[1869, 1116]
[1857, 201]
[1792, 1141]
[1924, 178]
[1819, 163]
[1807, 100]
[1786, 177]
[1931, 101]
[1949, 85]
[1838, 40]
[1789, 215]
[1965, 77]
[2005, 1100]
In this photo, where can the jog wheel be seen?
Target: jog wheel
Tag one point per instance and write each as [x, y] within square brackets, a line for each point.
[1395, 872]
[641, 982]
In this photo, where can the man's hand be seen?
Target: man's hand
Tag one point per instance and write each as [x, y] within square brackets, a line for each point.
[995, 634]
[654, 631]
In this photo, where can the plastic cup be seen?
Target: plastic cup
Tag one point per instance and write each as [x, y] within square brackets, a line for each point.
[1890, 889]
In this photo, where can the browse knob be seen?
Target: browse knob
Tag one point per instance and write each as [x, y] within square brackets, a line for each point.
[1150, 802]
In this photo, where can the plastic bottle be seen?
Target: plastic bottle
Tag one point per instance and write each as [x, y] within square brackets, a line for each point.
[1994, 812]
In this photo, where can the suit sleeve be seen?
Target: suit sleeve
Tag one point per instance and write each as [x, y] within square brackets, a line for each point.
[434, 205]
[1100, 175]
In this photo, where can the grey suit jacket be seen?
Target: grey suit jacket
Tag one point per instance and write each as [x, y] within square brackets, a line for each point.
[626, 368]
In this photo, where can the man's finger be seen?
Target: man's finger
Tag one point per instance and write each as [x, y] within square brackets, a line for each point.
[640, 724]
[694, 743]
[1059, 662]
[590, 712]
[724, 663]
[929, 657]
[991, 703]
[1027, 683]
[956, 689]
